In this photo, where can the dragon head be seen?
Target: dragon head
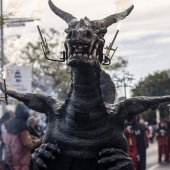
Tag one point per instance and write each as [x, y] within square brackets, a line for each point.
[85, 38]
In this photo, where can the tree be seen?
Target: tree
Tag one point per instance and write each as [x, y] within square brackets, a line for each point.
[117, 63]
[154, 85]
[49, 76]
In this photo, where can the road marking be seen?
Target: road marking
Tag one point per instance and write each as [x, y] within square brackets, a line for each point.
[153, 167]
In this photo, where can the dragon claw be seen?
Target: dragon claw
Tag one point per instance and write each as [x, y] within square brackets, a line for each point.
[116, 158]
[44, 151]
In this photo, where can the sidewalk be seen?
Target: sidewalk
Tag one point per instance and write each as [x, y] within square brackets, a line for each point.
[152, 155]
[163, 166]
[152, 159]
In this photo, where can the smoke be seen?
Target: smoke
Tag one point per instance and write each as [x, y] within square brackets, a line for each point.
[121, 5]
[24, 8]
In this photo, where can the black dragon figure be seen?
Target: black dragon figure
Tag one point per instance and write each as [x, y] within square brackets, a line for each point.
[85, 132]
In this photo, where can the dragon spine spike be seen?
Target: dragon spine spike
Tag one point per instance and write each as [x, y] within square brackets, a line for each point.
[68, 18]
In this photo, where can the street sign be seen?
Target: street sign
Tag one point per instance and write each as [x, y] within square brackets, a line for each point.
[20, 77]
[15, 24]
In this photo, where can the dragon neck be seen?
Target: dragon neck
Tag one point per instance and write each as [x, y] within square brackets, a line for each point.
[86, 92]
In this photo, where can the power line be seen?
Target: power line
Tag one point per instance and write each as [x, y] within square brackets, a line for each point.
[124, 81]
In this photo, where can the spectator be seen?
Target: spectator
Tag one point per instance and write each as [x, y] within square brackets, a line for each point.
[4, 123]
[34, 132]
[132, 145]
[140, 132]
[163, 146]
[169, 137]
[43, 124]
[3, 128]
[33, 127]
[18, 141]
[151, 133]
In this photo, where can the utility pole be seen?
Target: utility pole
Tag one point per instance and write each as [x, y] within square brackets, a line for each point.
[2, 48]
[2, 35]
[9, 22]
[124, 81]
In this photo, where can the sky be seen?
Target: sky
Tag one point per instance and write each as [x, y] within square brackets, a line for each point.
[144, 38]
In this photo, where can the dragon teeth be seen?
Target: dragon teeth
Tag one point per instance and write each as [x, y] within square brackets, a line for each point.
[94, 52]
[97, 45]
[90, 57]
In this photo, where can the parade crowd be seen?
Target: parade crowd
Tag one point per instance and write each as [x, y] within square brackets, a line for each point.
[140, 135]
[21, 133]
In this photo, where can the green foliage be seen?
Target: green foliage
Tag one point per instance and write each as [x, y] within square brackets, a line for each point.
[117, 63]
[154, 85]
[157, 84]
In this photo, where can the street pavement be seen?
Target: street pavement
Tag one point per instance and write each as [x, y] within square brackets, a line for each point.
[163, 166]
[152, 155]
[152, 159]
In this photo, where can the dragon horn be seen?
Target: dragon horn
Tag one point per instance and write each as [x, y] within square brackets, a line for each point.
[108, 21]
[68, 18]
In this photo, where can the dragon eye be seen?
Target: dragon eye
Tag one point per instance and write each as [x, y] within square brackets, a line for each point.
[69, 34]
[88, 34]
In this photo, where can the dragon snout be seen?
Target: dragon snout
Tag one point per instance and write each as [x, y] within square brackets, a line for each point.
[85, 36]
[82, 44]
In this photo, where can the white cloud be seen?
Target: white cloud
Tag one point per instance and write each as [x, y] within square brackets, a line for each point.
[163, 40]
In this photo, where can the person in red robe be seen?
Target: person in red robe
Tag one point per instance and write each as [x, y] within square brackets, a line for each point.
[132, 146]
[169, 137]
[163, 145]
